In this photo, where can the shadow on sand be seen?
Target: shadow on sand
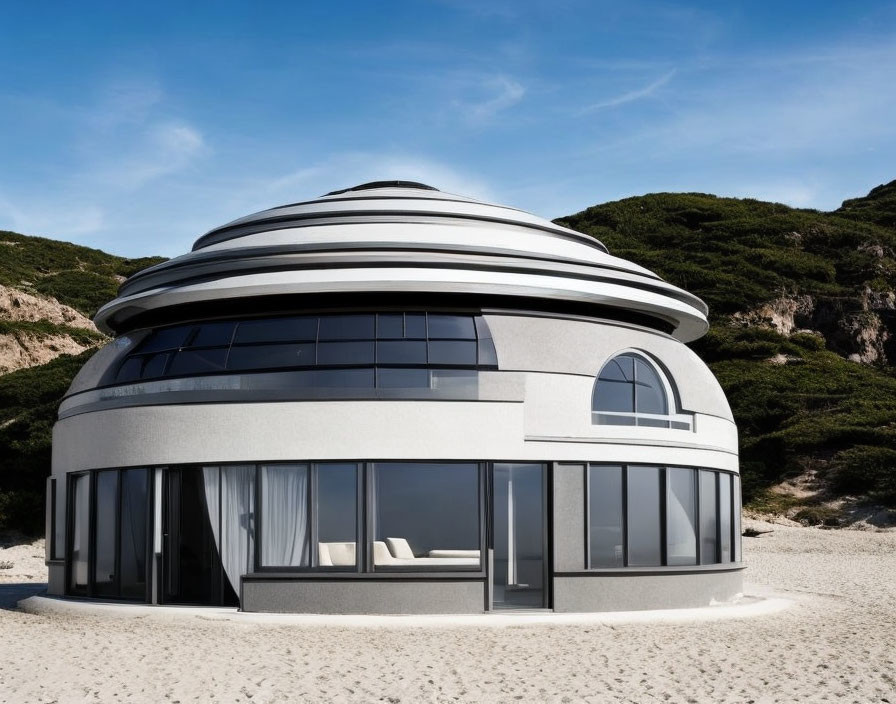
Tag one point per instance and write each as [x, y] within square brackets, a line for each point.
[12, 594]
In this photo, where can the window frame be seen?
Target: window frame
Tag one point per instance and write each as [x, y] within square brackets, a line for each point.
[717, 564]
[673, 419]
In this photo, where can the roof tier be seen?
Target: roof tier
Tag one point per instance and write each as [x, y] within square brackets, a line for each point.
[399, 237]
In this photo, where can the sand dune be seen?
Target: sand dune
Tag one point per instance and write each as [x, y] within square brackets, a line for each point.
[836, 643]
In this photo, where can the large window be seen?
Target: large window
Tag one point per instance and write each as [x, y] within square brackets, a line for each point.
[651, 516]
[304, 505]
[426, 516]
[364, 350]
[630, 390]
[109, 544]
[414, 516]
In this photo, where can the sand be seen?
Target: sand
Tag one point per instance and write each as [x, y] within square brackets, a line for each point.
[835, 643]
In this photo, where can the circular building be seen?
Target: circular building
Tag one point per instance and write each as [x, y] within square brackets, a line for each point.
[397, 400]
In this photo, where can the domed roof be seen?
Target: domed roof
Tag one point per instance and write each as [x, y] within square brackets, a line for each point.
[401, 237]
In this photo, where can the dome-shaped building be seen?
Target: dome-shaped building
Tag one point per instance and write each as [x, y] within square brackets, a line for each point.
[396, 400]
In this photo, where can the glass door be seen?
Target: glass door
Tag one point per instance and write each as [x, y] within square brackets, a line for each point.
[519, 524]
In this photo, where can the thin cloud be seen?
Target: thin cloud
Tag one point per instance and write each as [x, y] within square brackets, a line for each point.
[506, 94]
[631, 96]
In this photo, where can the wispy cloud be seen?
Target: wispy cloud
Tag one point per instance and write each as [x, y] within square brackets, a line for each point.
[630, 96]
[503, 93]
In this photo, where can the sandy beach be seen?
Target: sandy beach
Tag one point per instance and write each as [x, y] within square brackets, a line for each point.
[835, 643]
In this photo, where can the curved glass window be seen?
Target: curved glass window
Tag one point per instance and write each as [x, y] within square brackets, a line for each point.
[631, 391]
[651, 516]
[359, 350]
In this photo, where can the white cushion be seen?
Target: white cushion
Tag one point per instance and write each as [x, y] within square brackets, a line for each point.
[381, 554]
[399, 548]
[339, 554]
[323, 555]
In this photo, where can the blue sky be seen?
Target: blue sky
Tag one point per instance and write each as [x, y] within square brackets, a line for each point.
[137, 127]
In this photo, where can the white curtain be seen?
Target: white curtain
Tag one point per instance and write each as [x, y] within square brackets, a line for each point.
[233, 521]
[284, 531]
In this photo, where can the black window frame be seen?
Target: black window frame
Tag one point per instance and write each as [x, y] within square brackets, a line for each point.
[485, 357]
[736, 552]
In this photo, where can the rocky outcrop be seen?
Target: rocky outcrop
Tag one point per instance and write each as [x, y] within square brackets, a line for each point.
[862, 329]
[17, 305]
[22, 350]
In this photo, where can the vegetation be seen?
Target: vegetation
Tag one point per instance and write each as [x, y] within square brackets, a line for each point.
[816, 410]
[28, 402]
[798, 403]
[80, 277]
[44, 328]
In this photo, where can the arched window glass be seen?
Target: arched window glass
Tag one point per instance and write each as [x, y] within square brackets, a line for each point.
[631, 391]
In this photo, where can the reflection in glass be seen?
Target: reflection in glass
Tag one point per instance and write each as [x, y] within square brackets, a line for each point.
[426, 516]
[518, 506]
[197, 362]
[452, 352]
[451, 327]
[737, 526]
[681, 519]
[80, 522]
[277, 330]
[724, 517]
[345, 353]
[605, 511]
[104, 547]
[132, 541]
[213, 334]
[347, 327]
[337, 515]
[708, 518]
[271, 356]
[644, 530]
[59, 520]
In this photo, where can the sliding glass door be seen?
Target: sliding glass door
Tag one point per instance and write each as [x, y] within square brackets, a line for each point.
[519, 536]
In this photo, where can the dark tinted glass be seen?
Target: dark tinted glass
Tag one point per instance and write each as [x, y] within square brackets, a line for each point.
[709, 519]
[346, 327]
[130, 370]
[197, 361]
[402, 378]
[613, 396]
[452, 352]
[451, 326]
[271, 356]
[154, 366]
[415, 325]
[401, 352]
[432, 507]
[644, 530]
[390, 326]
[104, 547]
[345, 353]
[653, 422]
[167, 338]
[649, 394]
[605, 512]
[337, 503]
[620, 368]
[213, 334]
[134, 508]
[277, 330]
[725, 516]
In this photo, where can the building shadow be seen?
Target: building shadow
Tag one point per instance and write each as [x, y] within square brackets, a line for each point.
[12, 594]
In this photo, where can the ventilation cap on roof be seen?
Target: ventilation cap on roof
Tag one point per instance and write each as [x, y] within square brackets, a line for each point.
[384, 184]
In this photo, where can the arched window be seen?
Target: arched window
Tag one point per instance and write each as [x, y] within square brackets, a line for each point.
[630, 390]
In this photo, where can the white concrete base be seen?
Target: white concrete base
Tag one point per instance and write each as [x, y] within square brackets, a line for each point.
[746, 606]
